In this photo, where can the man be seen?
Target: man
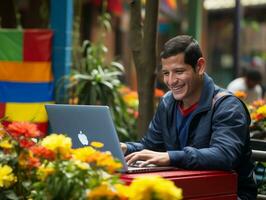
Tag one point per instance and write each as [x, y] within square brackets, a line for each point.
[197, 125]
[249, 83]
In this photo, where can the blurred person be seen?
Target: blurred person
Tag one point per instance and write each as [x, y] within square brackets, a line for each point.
[197, 125]
[249, 83]
[259, 63]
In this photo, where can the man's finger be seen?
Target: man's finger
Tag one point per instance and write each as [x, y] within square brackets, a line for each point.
[147, 162]
[133, 159]
[138, 156]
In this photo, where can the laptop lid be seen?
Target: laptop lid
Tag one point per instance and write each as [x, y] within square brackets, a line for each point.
[84, 124]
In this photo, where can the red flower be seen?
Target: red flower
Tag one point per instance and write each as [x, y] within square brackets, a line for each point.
[136, 114]
[259, 117]
[26, 143]
[26, 129]
[33, 162]
[42, 152]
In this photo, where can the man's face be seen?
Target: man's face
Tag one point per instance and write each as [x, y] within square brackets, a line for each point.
[181, 78]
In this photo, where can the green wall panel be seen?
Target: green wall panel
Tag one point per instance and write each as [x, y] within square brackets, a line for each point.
[11, 45]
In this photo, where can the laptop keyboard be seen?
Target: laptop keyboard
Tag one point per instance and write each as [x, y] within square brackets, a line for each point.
[139, 162]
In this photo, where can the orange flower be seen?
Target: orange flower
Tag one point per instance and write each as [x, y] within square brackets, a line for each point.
[33, 162]
[131, 96]
[2, 131]
[240, 94]
[158, 92]
[23, 159]
[26, 129]
[42, 152]
[124, 90]
[253, 116]
[258, 103]
[106, 161]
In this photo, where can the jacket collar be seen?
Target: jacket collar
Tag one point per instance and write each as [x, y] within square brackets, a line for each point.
[207, 93]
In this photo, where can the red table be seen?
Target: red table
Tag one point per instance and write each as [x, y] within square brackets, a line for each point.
[198, 185]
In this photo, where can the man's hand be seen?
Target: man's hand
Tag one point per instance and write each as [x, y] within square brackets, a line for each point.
[149, 157]
[123, 147]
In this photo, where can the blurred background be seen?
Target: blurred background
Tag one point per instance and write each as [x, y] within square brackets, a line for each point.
[219, 25]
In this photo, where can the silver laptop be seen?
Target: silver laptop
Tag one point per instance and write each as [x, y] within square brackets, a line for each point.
[87, 123]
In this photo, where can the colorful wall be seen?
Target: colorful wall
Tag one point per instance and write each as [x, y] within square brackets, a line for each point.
[26, 78]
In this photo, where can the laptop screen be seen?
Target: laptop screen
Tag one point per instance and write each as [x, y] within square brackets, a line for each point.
[85, 124]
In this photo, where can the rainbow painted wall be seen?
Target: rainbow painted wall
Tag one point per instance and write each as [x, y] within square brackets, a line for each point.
[26, 78]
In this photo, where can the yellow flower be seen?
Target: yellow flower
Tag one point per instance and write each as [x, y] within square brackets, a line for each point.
[44, 171]
[262, 110]
[81, 165]
[97, 144]
[166, 190]
[83, 154]
[59, 144]
[149, 187]
[101, 159]
[7, 178]
[103, 192]
[123, 190]
[107, 161]
[5, 144]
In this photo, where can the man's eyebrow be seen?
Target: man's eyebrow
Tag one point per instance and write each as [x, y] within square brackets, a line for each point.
[163, 70]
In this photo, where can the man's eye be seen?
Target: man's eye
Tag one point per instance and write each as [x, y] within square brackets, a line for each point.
[165, 73]
[179, 72]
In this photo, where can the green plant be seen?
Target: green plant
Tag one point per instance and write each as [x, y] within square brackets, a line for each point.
[96, 81]
[50, 169]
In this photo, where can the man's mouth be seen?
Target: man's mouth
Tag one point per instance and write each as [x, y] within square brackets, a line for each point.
[177, 88]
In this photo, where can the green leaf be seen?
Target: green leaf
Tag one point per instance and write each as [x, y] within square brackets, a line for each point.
[108, 84]
[118, 66]
[10, 194]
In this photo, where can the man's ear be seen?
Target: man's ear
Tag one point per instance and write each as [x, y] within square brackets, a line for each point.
[200, 68]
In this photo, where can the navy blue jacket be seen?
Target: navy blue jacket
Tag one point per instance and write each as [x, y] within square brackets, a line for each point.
[218, 136]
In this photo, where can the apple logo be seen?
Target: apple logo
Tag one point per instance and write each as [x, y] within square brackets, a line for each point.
[83, 138]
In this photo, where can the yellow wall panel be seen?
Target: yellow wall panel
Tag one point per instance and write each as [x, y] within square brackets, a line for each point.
[33, 112]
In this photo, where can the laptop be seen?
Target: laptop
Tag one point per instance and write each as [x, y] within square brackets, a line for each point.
[87, 123]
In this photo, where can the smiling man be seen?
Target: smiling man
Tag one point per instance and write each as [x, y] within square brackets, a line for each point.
[197, 125]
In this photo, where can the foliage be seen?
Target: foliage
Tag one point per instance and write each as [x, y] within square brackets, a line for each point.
[49, 169]
[257, 111]
[258, 130]
[132, 100]
[258, 115]
[96, 81]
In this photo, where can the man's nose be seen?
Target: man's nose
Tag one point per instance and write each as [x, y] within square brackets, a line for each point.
[172, 79]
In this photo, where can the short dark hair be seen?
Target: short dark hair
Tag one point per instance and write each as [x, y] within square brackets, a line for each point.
[183, 44]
